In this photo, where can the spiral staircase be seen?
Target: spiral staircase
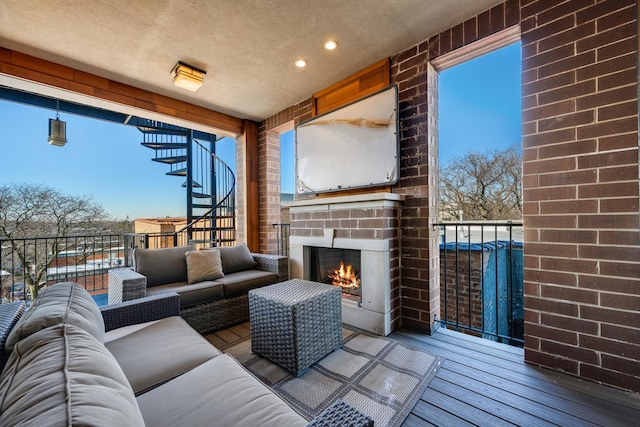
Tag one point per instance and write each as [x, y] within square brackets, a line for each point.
[209, 181]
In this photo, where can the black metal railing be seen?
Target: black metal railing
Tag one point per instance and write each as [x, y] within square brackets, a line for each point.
[481, 279]
[28, 264]
[282, 231]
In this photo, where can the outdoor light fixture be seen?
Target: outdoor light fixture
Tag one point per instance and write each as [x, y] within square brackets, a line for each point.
[57, 129]
[187, 77]
[300, 63]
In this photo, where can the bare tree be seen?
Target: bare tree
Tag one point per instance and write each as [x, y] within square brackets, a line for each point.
[38, 212]
[483, 186]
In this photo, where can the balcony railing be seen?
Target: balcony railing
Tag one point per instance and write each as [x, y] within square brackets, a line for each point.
[283, 238]
[481, 279]
[41, 261]
[84, 259]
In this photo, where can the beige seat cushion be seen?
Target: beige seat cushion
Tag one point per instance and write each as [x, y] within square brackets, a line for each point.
[160, 351]
[65, 302]
[203, 265]
[219, 392]
[62, 376]
[240, 283]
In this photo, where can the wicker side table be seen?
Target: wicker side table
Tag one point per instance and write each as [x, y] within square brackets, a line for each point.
[295, 323]
[125, 285]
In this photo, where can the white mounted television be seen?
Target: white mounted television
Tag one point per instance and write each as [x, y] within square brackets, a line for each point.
[354, 146]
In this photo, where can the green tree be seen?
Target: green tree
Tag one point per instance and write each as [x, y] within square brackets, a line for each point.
[29, 211]
[483, 186]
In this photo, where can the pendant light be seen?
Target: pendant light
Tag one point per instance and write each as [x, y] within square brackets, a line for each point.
[57, 129]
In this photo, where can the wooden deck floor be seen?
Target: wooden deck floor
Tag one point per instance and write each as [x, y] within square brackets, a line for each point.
[483, 383]
[488, 384]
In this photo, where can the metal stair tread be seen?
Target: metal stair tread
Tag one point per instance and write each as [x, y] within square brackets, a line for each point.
[165, 145]
[170, 160]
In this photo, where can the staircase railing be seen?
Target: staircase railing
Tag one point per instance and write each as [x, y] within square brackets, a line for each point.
[210, 182]
[215, 224]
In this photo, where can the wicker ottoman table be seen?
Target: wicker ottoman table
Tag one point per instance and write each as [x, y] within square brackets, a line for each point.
[295, 323]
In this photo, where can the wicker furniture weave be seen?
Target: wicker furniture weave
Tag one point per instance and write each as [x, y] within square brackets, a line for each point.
[341, 413]
[9, 315]
[295, 323]
[140, 310]
[126, 284]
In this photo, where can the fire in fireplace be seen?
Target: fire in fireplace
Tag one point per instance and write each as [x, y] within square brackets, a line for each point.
[337, 267]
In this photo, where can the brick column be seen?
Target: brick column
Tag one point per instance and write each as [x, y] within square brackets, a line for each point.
[580, 167]
[269, 171]
[269, 191]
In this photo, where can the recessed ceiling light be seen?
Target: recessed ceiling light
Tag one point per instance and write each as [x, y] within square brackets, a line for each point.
[331, 44]
[300, 63]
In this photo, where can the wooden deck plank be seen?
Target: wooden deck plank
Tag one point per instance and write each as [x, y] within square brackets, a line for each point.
[469, 360]
[451, 350]
[517, 402]
[486, 404]
[473, 342]
[413, 421]
[590, 410]
[558, 383]
[444, 410]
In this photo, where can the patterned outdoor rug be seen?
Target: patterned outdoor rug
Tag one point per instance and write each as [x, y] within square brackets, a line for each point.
[381, 377]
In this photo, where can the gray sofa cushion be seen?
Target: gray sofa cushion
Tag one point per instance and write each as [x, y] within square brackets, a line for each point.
[190, 295]
[236, 258]
[63, 376]
[219, 392]
[159, 352]
[240, 283]
[65, 302]
[165, 265]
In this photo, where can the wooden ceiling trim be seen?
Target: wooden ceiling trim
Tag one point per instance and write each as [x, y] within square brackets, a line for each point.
[19, 65]
[364, 82]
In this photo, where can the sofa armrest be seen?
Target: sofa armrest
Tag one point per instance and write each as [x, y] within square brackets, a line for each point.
[9, 315]
[126, 284]
[141, 310]
[274, 264]
[341, 413]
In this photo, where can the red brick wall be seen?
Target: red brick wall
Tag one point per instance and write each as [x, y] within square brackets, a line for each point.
[269, 172]
[580, 155]
[417, 84]
[580, 166]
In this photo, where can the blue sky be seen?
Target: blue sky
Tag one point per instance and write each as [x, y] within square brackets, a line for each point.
[480, 103]
[479, 109]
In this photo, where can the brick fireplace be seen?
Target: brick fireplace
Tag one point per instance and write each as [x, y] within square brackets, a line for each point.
[368, 224]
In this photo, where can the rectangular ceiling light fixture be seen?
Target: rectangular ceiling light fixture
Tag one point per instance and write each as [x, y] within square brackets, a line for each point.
[187, 77]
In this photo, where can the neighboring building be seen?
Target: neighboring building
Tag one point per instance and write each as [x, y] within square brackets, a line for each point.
[164, 226]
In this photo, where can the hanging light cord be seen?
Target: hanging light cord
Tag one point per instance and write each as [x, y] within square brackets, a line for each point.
[57, 109]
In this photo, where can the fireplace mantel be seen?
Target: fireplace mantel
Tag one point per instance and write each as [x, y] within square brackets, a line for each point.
[369, 223]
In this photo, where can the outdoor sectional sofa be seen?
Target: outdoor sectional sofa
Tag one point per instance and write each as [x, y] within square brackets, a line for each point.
[132, 364]
[210, 299]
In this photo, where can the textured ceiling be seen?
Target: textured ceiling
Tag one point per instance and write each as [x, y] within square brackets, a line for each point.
[247, 47]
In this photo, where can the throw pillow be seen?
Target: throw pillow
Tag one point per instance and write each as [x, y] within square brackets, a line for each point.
[203, 265]
[236, 258]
